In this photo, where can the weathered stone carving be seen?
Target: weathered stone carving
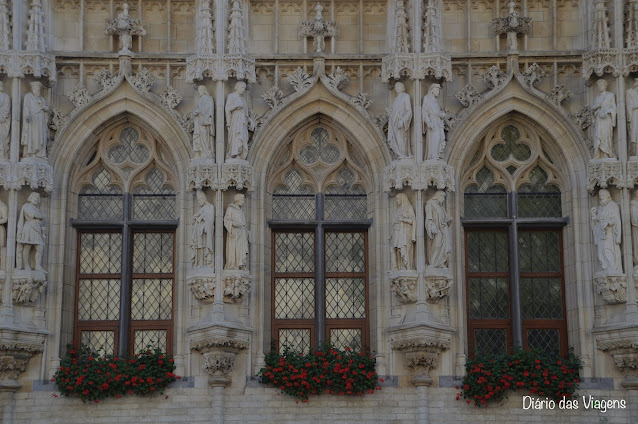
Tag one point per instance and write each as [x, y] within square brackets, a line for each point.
[512, 25]
[27, 290]
[236, 235]
[612, 288]
[631, 27]
[125, 27]
[624, 350]
[79, 96]
[30, 234]
[107, 80]
[399, 124]
[403, 235]
[204, 125]
[469, 97]
[601, 58]
[5, 26]
[35, 123]
[202, 174]
[5, 123]
[631, 101]
[236, 42]
[606, 225]
[433, 124]
[236, 285]
[401, 29]
[431, 28]
[583, 118]
[171, 97]
[238, 123]
[419, 177]
[404, 285]
[219, 363]
[273, 96]
[533, 75]
[203, 233]
[300, 80]
[143, 80]
[219, 357]
[33, 174]
[203, 288]
[437, 287]
[437, 227]
[604, 173]
[239, 175]
[559, 94]
[318, 29]
[231, 345]
[205, 38]
[36, 40]
[361, 99]
[14, 358]
[600, 33]
[604, 112]
[421, 354]
[338, 79]
[494, 77]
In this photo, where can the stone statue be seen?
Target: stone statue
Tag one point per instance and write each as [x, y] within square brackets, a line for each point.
[604, 111]
[607, 233]
[403, 235]
[237, 235]
[5, 123]
[433, 124]
[30, 234]
[126, 27]
[238, 122]
[203, 240]
[437, 227]
[35, 123]
[204, 125]
[399, 123]
[633, 205]
[631, 100]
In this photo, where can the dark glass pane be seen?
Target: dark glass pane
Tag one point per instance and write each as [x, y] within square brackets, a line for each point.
[539, 251]
[487, 251]
[351, 207]
[297, 340]
[152, 299]
[149, 207]
[510, 146]
[100, 253]
[294, 298]
[129, 148]
[342, 338]
[541, 298]
[100, 206]
[293, 207]
[490, 340]
[153, 253]
[345, 298]
[294, 252]
[546, 339]
[484, 205]
[149, 339]
[99, 300]
[539, 205]
[100, 342]
[345, 252]
[489, 298]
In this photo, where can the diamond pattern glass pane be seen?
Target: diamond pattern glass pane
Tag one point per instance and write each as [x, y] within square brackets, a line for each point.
[490, 340]
[153, 253]
[510, 146]
[129, 148]
[489, 298]
[297, 340]
[544, 339]
[346, 337]
[99, 300]
[345, 252]
[100, 342]
[539, 251]
[484, 205]
[345, 298]
[487, 251]
[539, 205]
[100, 206]
[149, 339]
[294, 298]
[352, 207]
[100, 253]
[320, 148]
[152, 299]
[154, 206]
[293, 207]
[294, 252]
[541, 298]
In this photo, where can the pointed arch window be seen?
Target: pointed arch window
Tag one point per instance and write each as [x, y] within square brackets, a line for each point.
[513, 220]
[125, 223]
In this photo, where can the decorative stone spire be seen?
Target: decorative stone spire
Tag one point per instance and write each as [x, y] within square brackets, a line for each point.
[205, 30]
[126, 27]
[431, 28]
[35, 33]
[236, 42]
[5, 26]
[600, 37]
[318, 29]
[601, 57]
[402, 29]
[631, 25]
[512, 25]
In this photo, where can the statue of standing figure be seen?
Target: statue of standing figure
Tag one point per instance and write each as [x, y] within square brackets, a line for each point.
[403, 235]
[237, 235]
[203, 240]
[437, 227]
[35, 123]
[631, 101]
[399, 123]
[433, 124]
[5, 123]
[607, 233]
[604, 111]
[30, 234]
[238, 122]
[204, 125]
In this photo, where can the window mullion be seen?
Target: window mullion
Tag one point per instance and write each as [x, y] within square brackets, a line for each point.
[320, 283]
[125, 283]
[517, 324]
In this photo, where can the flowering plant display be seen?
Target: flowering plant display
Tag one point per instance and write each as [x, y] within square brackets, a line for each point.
[490, 377]
[329, 370]
[91, 377]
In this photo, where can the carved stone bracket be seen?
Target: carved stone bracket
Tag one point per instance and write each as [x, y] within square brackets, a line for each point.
[400, 174]
[220, 67]
[630, 61]
[612, 288]
[437, 284]
[16, 348]
[237, 174]
[416, 66]
[604, 173]
[219, 355]
[203, 287]
[601, 61]
[32, 173]
[27, 286]
[237, 285]
[421, 355]
[18, 64]
[624, 350]
[430, 173]
[202, 173]
[404, 285]
[632, 174]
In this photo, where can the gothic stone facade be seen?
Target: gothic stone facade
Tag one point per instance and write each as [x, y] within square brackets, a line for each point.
[437, 176]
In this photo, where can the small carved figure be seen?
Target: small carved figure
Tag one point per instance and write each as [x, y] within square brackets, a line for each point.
[5, 123]
[434, 124]
[631, 100]
[403, 235]
[126, 27]
[399, 123]
[604, 111]
[30, 234]
[437, 227]
[238, 122]
[203, 241]
[204, 125]
[633, 205]
[318, 29]
[607, 232]
[35, 123]
[237, 235]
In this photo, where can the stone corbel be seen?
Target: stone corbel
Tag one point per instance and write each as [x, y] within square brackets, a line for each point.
[33, 173]
[237, 173]
[612, 288]
[202, 173]
[437, 287]
[436, 174]
[27, 286]
[16, 348]
[632, 173]
[601, 61]
[397, 65]
[604, 173]
[219, 355]
[421, 355]
[237, 285]
[623, 350]
[203, 288]
[399, 174]
[404, 285]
